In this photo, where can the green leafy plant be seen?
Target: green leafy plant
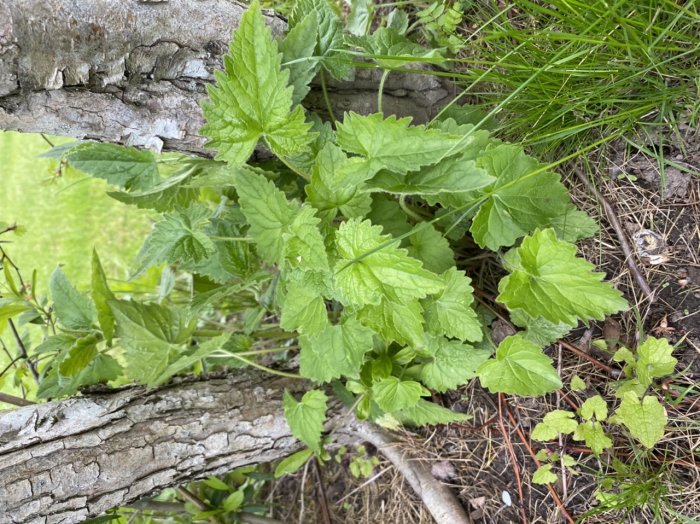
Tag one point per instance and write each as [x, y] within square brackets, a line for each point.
[342, 246]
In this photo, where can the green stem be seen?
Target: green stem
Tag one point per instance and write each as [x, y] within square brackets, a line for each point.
[207, 332]
[256, 352]
[232, 239]
[294, 169]
[381, 89]
[265, 368]
[415, 216]
[326, 98]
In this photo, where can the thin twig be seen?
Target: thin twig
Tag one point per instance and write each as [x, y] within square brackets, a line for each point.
[199, 503]
[513, 459]
[325, 513]
[15, 401]
[624, 244]
[23, 350]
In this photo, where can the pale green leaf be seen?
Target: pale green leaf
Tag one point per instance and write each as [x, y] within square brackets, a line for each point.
[167, 195]
[306, 418]
[125, 167]
[654, 360]
[336, 351]
[397, 321]
[298, 56]
[548, 280]
[370, 266]
[251, 98]
[451, 363]
[83, 351]
[594, 407]
[100, 295]
[293, 462]
[387, 212]
[451, 313]
[184, 361]
[303, 308]
[430, 246]
[519, 368]
[72, 309]
[593, 435]
[393, 143]
[577, 384]
[555, 423]
[544, 475]
[645, 419]
[390, 49]
[538, 330]
[10, 307]
[428, 413]
[303, 242]
[393, 394]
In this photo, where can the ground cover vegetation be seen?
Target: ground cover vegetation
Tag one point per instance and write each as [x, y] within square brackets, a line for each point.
[348, 256]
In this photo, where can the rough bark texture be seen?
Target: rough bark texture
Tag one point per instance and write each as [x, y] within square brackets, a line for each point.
[62, 462]
[134, 71]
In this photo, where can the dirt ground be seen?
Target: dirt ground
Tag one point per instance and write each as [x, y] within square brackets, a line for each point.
[488, 462]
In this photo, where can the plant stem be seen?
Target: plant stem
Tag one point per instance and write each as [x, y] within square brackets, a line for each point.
[326, 98]
[381, 89]
[265, 368]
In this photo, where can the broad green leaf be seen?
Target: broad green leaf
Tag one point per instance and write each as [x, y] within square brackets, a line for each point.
[337, 184]
[152, 336]
[393, 143]
[654, 360]
[390, 49]
[298, 57]
[217, 484]
[125, 167]
[304, 309]
[594, 407]
[548, 280]
[555, 422]
[10, 307]
[73, 309]
[522, 199]
[306, 418]
[303, 243]
[100, 295]
[451, 363]
[451, 313]
[593, 435]
[102, 369]
[577, 384]
[293, 462]
[544, 475]
[573, 225]
[182, 362]
[171, 193]
[359, 20]
[370, 266]
[387, 212]
[538, 330]
[79, 356]
[645, 419]
[425, 412]
[520, 368]
[336, 351]
[398, 321]
[178, 237]
[251, 98]
[394, 394]
[428, 244]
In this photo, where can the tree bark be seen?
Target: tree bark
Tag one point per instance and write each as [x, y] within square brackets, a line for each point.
[62, 462]
[134, 71]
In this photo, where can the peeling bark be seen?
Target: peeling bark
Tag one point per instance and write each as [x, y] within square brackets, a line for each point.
[133, 72]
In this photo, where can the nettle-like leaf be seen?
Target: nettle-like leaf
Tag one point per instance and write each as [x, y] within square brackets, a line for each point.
[395, 320]
[593, 435]
[306, 417]
[594, 407]
[523, 198]
[555, 422]
[298, 55]
[73, 309]
[101, 294]
[83, 351]
[520, 368]
[171, 193]
[429, 245]
[451, 313]
[251, 99]
[178, 237]
[654, 360]
[303, 307]
[125, 167]
[425, 412]
[393, 50]
[548, 280]
[539, 330]
[394, 144]
[646, 419]
[394, 394]
[544, 475]
[370, 266]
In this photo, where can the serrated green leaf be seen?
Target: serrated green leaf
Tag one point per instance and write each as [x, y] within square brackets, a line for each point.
[548, 280]
[538, 330]
[577, 384]
[645, 419]
[393, 143]
[654, 360]
[387, 213]
[520, 368]
[393, 394]
[100, 295]
[10, 307]
[83, 351]
[593, 435]
[371, 267]
[451, 363]
[298, 57]
[303, 243]
[594, 407]
[181, 361]
[336, 351]
[304, 309]
[425, 412]
[171, 193]
[251, 99]
[544, 475]
[125, 167]
[397, 321]
[360, 18]
[572, 225]
[152, 335]
[519, 201]
[390, 49]
[555, 422]
[73, 309]
[428, 244]
[451, 313]
[293, 462]
[102, 369]
[306, 418]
